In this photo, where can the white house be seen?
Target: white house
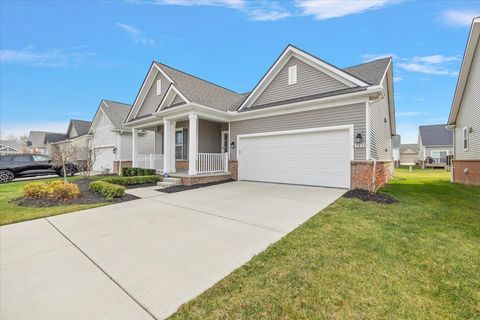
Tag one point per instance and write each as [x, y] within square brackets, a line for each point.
[112, 142]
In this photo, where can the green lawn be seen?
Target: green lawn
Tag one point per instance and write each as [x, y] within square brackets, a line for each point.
[10, 213]
[418, 259]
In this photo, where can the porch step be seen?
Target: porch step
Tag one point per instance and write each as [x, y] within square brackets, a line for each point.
[169, 182]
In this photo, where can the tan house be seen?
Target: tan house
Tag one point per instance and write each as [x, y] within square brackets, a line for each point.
[77, 139]
[305, 122]
[409, 154]
[464, 119]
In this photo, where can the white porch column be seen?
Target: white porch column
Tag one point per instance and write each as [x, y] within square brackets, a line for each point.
[192, 143]
[167, 145]
[173, 169]
[134, 147]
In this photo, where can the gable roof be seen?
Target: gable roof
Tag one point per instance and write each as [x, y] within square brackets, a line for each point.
[436, 135]
[409, 148]
[372, 71]
[468, 57]
[116, 112]
[201, 91]
[81, 126]
[51, 137]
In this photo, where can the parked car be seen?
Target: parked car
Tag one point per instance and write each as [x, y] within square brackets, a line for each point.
[29, 165]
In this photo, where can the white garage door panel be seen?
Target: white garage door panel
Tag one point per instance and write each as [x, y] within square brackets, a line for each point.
[103, 159]
[320, 158]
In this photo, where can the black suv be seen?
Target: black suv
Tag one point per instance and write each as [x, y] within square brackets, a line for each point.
[29, 165]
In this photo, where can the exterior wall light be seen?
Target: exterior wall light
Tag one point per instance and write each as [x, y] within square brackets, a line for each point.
[358, 138]
[232, 144]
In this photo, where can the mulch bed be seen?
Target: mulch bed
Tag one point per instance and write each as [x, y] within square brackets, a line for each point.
[135, 186]
[174, 189]
[366, 195]
[86, 197]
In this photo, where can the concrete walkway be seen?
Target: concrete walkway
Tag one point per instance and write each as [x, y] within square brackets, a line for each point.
[142, 259]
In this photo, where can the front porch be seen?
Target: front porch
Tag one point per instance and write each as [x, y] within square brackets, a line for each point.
[189, 147]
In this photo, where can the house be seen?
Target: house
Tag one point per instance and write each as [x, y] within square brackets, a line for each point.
[112, 141]
[38, 141]
[396, 143]
[10, 147]
[77, 139]
[435, 143]
[409, 154]
[305, 122]
[464, 119]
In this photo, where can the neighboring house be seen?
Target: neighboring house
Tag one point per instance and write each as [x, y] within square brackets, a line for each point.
[77, 139]
[38, 141]
[10, 147]
[464, 119]
[112, 141]
[306, 122]
[409, 154]
[435, 143]
[396, 143]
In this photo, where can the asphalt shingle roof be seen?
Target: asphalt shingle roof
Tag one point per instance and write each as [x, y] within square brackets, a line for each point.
[201, 91]
[371, 72]
[436, 135]
[54, 137]
[410, 147]
[116, 112]
[81, 126]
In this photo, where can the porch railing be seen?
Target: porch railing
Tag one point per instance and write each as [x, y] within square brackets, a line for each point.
[149, 161]
[212, 162]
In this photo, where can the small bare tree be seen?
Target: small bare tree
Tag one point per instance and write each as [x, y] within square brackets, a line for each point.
[62, 156]
[86, 157]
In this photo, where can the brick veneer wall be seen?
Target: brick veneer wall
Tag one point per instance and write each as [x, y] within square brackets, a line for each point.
[466, 172]
[117, 169]
[362, 170]
[181, 164]
[189, 181]
[233, 168]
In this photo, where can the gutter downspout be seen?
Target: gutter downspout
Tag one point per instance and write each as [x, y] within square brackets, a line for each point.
[451, 127]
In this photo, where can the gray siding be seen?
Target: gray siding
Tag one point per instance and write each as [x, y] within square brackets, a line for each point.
[177, 100]
[380, 136]
[209, 136]
[335, 116]
[309, 81]
[469, 113]
[152, 100]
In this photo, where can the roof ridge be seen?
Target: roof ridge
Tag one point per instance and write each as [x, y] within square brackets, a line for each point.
[196, 77]
[107, 100]
[432, 125]
[371, 61]
[332, 65]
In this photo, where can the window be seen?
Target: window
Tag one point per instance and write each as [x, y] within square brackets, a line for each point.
[439, 156]
[39, 157]
[465, 138]
[159, 87]
[292, 75]
[224, 141]
[22, 159]
[179, 144]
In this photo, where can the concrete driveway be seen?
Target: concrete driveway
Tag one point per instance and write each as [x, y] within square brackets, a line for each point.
[143, 259]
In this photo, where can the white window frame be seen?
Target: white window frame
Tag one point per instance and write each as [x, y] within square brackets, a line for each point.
[159, 87]
[222, 141]
[177, 145]
[292, 75]
[439, 150]
[465, 136]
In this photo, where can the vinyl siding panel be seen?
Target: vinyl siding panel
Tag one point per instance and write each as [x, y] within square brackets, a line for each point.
[152, 100]
[177, 100]
[341, 115]
[209, 136]
[380, 136]
[309, 81]
[469, 113]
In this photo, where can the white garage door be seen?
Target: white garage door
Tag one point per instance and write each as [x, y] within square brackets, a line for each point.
[103, 158]
[310, 157]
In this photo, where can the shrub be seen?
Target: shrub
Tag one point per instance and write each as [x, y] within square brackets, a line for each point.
[133, 172]
[125, 181]
[60, 190]
[35, 190]
[108, 190]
